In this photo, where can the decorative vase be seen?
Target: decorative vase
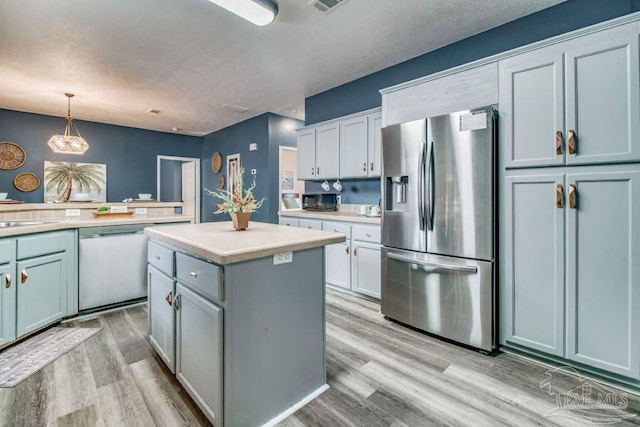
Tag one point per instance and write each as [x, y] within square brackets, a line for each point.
[240, 220]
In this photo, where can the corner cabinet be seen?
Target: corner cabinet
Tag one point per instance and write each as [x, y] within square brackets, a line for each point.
[348, 147]
[38, 282]
[573, 103]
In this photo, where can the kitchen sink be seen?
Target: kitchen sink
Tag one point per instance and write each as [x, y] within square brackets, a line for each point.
[6, 224]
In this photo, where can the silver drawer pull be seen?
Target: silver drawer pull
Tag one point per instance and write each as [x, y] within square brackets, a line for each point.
[335, 230]
[156, 256]
[368, 234]
[193, 274]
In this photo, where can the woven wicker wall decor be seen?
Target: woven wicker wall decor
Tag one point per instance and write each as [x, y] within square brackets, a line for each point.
[12, 156]
[26, 181]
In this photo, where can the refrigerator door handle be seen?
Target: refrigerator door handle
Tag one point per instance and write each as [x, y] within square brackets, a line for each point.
[421, 185]
[430, 187]
[441, 265]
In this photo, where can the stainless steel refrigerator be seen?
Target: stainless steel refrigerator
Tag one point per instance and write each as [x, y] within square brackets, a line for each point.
[438, 225]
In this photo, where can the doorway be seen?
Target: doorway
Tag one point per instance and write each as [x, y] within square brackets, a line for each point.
[290, 189]
[179, 181]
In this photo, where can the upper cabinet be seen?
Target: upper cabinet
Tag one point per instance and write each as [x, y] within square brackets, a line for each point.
[344, 148]
[575, 102]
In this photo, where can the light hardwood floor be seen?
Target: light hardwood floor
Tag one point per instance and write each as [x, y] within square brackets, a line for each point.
[380, 374]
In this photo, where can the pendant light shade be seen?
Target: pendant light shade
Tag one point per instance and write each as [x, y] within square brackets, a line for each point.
[259, 12]
[68, 143]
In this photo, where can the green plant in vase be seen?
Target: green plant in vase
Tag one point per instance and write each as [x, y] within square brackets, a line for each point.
[239, 204]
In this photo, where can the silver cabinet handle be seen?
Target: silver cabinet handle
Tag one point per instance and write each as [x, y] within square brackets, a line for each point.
[371, 165]
[355, 251]
[24, 275]
[156, 256]
[318, 170]
[347, 250]
[7, 280]
[312, 171]
[193, 274]
[176, 301]
[169, 298]
[364, 166]
[442, 265]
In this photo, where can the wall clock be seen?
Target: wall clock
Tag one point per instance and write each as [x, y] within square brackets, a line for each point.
[26, 181]
[216, 162]
[12, 156]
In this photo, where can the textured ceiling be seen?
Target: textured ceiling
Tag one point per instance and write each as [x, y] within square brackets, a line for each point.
[202, 66]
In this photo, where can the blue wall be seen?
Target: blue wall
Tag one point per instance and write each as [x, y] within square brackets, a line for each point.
[129, 153]
[268, 131]
[363, 94]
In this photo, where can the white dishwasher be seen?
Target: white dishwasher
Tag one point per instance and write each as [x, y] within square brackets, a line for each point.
[112, 265]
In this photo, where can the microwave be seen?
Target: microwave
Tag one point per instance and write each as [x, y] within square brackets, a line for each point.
[320, 202]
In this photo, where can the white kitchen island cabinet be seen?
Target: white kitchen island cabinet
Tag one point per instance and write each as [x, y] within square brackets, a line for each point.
[249, 316]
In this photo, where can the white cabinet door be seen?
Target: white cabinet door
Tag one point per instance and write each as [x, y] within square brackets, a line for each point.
[328, 151]
[375, 143]
[365, 268]
[199, 351]
[532, 108]
[307, 154]
[338, 265]
[162, 316]
[603, 99]
[311, 224]
[353, 147]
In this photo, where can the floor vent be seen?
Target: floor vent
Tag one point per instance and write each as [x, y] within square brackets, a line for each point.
[326, 6]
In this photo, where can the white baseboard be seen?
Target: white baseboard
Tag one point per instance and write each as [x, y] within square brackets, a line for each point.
[297, 406]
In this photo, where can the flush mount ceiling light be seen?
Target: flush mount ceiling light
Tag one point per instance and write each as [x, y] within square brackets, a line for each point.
[67, 143]
[259, 12]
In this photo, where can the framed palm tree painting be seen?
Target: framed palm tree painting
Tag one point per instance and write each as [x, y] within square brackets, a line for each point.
[71, 181]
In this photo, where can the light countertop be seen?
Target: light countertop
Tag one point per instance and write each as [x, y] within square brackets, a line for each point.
[332, 216]
[71, 223]
[220, 243]
[84, 205]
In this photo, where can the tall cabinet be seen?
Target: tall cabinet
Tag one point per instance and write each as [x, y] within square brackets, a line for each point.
[570, 214]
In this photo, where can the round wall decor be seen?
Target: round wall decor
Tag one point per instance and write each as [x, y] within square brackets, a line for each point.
[216, 162]
[26, 181]
[12, 156]
[220, 184]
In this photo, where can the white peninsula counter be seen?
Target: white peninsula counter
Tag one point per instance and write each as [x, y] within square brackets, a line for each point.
[239, 316]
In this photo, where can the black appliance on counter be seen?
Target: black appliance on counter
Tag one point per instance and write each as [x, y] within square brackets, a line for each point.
[320, 202]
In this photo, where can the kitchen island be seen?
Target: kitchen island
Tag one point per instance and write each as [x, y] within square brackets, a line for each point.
[239, 316]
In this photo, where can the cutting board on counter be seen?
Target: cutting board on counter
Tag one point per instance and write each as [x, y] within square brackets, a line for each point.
[111, 215]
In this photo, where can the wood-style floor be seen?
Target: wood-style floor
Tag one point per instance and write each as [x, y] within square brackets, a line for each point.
[380, 374]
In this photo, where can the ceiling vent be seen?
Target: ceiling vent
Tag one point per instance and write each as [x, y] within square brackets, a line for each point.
[326, 6]
[234, 109]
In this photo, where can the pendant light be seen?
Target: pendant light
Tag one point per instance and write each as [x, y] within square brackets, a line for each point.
[67, 143]
[259, 12]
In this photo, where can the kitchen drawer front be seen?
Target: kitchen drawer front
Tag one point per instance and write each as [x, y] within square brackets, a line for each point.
[366, 234]
[7, 250]
[337, 227]
[161, 258]
[289, 222]
[310, 224]
[42, 244]
[200, 275]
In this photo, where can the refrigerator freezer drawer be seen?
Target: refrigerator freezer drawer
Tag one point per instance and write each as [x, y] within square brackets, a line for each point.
[445, 296]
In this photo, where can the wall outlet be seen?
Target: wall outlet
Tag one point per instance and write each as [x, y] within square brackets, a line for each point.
[253, 146]
[339, 199]
[118, 209]
[72, 212]
[141, 211]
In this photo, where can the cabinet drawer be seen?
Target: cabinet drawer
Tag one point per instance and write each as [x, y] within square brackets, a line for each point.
[310, 224]
[366, 234]
[289, 222]
[337, 227]
[42, 244]
[200, 275]
[161, 258]
[7, 250]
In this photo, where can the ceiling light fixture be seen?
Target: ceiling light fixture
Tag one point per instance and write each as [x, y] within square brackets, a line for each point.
[67, 143]
[259, 12]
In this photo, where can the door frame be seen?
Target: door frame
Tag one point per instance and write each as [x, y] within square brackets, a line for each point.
[196, 160]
